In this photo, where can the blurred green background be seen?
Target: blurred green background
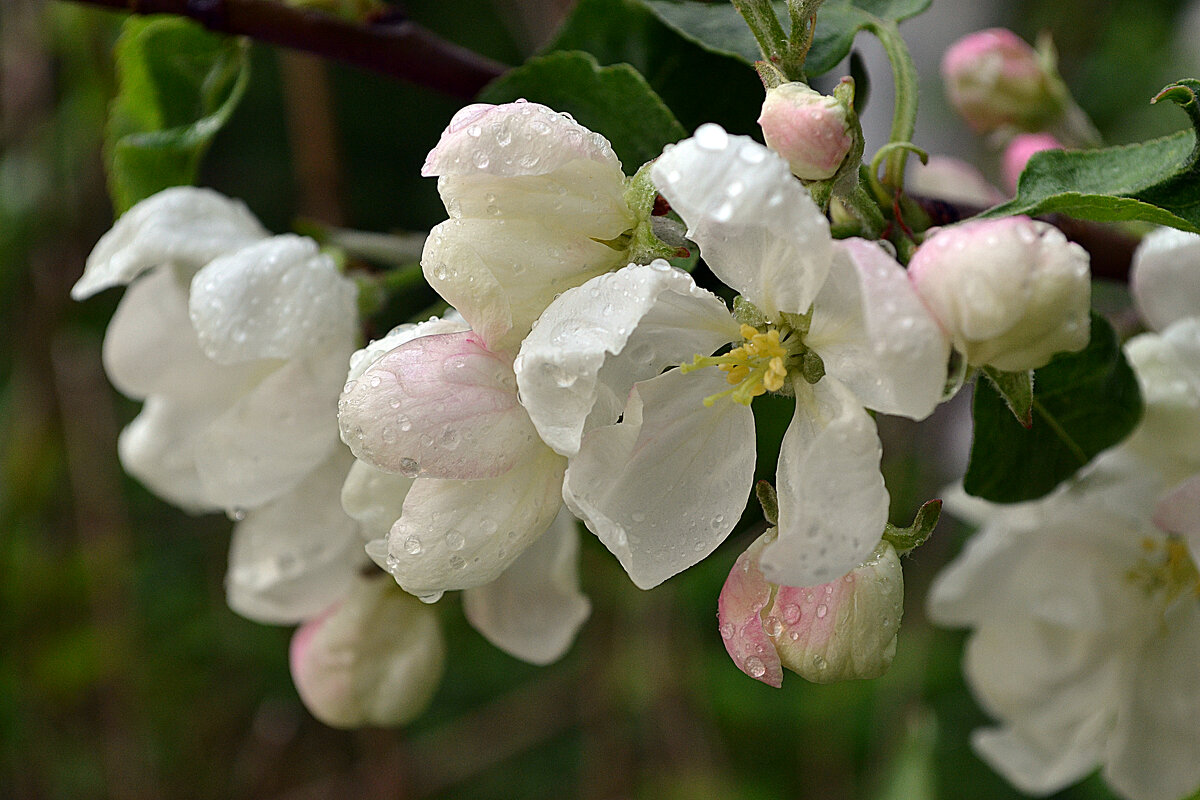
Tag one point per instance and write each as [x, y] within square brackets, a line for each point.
[124, 675]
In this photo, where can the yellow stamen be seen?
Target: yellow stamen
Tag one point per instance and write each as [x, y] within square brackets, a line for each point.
[1173, 571]
[753, 368]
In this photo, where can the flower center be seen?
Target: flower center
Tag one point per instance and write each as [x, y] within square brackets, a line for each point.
[1168, 567]
[760, 363]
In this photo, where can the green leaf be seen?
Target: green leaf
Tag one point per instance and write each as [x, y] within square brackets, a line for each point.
[1017, 390]
[721, 29]
[1085, 402]
[1156, 181]
[177, 86]
[698, 85]
[615, 101]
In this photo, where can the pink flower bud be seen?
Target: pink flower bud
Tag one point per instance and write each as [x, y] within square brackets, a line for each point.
[952, 180]
[807, 128]
[373, 659]
[994, 79]
[842, 630]
[1020, 150]
[1009, 292]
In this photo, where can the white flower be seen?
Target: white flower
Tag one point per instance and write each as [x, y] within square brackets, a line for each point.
[1165, 277]
[532, 195]
[1010, 292]
[664, 486]
[1086, 638]
[234, 340]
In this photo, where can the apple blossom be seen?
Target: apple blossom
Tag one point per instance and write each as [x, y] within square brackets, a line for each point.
[1165, 277]
[1010, 292]
[661, 462]
[995, 80]
[225, 327]
[1020, 150]
[808, 129]
[842, 630]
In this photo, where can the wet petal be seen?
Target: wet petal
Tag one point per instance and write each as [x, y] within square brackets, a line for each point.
[745, 594]
[876, 336]
[455, 534]
[534, 609]
[159, 449]
[666, 485]
[374, 659]
[576, 368]
[1165, 277]
[452, 322]
[293, 557]
[278, 298]
[832, 502]
[757, 227]
[374, 499]
[184, 226]
[443, 406]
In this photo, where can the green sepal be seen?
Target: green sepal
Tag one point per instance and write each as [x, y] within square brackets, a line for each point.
[905, 540]
[1017, 390]
[769, 500]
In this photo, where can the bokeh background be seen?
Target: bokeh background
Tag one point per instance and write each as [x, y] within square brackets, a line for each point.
[122, 672]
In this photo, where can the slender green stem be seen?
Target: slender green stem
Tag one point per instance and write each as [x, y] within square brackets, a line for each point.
[803, 16]
[863, 207]
[904, 77]
[765, 26]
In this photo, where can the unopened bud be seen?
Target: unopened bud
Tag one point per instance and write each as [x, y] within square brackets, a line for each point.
[1009, 292]
[810, 130]
[1020, 150]
[842, 630]
[994, 79]
[374, 659]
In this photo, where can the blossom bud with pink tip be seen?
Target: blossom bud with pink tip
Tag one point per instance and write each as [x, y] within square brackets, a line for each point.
[994, 79]
[1009, 292]
[842, 630]
[1020, 150]
[810, 130]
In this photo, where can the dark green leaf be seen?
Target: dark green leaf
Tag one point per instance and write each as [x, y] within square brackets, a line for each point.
[1085, 402]
[615, 101]
[1017, 390]
[178, 84]
[697, 84]
[1156, 181]
[718, 26]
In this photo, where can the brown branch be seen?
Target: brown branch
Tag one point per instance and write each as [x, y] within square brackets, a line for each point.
[389, 45]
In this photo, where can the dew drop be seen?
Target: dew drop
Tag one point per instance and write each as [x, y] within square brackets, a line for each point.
[455, 540]
[432, 597]
[726, 630]
[822, 610]
[412, 546]
[755, 667]
[409, 468]
[773, 626]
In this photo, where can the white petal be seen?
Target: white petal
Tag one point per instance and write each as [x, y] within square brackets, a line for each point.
[402, 334]
[1154, 753]
[183, 225]
[277, 298]
[270, 438]
[1168, 371]
[876, 336]
[292, 558]
[502, 273]
[534, 609]
[1035, 769]
[757, 227]
[832, 502]
[456, 534]
[159, 449]
[576, 368]
[443, 406]
[1165, 277]
[151, 348]
[374, 499]
[375, 659]
[514, 139]
[666, 485]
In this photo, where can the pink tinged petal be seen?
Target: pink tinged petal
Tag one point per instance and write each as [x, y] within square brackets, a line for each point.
[590, 347]
[151, 348]
[832, 502]
[402, 334]
[270, 438]
[1020, 150]
[757, 228]
[743, 597]
[374, 499]
[455, 534]
[807, 128]
[278, 298]
[534, 609]
[1179, 512]
[1165, 277]
[514, 139]
[296, 555]
[443, 406]
[159, 449]
[846, 629]
[184, 226]
[952, 180]
[875, 335]
[375, 659]
[666, 485]
[1154, 752]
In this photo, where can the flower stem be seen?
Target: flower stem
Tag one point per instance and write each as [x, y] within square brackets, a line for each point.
[904, 116]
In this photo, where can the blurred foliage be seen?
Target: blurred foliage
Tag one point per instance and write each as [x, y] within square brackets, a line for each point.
[124, 675]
